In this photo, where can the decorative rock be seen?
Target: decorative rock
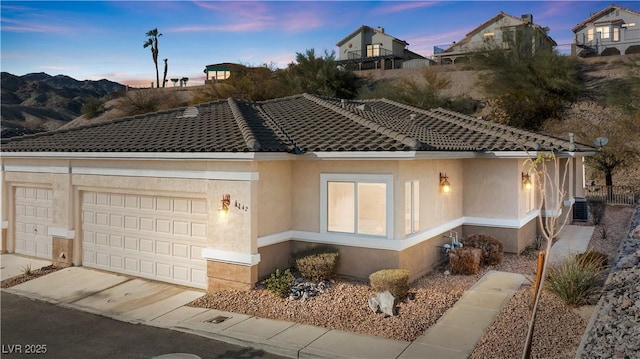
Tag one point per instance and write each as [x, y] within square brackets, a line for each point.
[383, 302]
[387, 303]
[306, 290]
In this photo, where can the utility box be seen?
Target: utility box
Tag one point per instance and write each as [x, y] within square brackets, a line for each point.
[580, 210]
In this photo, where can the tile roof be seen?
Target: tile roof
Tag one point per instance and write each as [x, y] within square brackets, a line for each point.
[593, 17]
[364, 28]
[296, 124]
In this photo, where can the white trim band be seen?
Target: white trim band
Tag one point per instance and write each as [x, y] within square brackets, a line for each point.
[231, 257]
[393, 244]
[37, 169]
[189, 174]
[61, 233]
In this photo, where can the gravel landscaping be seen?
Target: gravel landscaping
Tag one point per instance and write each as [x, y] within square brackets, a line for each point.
[10, 282]
[344, 306]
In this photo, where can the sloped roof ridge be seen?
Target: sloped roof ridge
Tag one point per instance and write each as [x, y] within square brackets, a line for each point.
[470, 122]
[274, 125]
[518, 134]
[602, 12]
[404, 139]
[249, 137]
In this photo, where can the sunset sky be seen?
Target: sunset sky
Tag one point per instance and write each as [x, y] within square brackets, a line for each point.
[92, 40]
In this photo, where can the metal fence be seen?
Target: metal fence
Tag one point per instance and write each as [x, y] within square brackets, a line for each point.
[614, 194]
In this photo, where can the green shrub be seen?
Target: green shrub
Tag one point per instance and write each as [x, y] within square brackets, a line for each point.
[492, 249]
[574, 279]
[597, 207]
[602, 259]
[465, 260]
[92, 107]
[279, 283]
[317, 264]
[395, 281]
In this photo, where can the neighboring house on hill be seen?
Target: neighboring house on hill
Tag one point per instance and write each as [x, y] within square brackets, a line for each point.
[371, 48]
[220, 195]
[501, 31]
[221, 72]
[614, 30]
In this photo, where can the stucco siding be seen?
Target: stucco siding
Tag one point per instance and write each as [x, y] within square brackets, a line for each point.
[274, 201]
[491, 193]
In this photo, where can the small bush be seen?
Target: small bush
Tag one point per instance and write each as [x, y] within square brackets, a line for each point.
[279, 283]
[492, 249]
[317, 264]
[465, 260]
[597, 207]
[395, 281]
[574, 279]
[602, 259]
[92, 107]
[26, 270]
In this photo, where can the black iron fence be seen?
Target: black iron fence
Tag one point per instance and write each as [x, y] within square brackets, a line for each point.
[614, 194]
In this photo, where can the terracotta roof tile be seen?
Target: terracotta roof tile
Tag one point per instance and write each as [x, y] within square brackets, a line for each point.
[295, 124]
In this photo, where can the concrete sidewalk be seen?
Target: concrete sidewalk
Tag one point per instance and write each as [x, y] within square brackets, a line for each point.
[455, 335]
[163, 305]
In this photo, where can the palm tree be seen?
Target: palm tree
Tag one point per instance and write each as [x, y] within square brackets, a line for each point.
[153, 42]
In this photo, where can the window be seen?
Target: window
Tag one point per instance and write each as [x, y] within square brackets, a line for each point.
[604, 31]
[590, 35]
[356, 204]
[373, 50]
[616, 34]
[411, 207]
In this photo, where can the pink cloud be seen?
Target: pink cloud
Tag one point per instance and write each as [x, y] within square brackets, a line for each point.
[39, 27]
[256, 16]
[398, 7]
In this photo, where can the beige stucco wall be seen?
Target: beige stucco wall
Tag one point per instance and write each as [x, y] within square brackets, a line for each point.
[435, 207]
[491, 193]
[274, 199]
[515, 240]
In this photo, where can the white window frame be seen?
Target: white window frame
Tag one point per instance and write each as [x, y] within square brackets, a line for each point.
[413, 207]
[387, 179]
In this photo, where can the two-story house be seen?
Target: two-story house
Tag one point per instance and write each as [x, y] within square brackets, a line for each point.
[371, 48]
[614, 30]
[221, 71]
[501, 31]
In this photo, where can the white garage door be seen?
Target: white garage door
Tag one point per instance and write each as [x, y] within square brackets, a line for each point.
[34, 214]
[153, 237]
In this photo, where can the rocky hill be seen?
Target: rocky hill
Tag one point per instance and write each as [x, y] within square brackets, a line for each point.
[40, 102]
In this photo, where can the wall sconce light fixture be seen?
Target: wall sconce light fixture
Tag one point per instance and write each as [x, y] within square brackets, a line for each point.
[526, 181]
[224, 208]
[444, 183]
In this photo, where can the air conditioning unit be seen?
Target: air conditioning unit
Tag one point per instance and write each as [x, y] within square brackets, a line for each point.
[580, 210]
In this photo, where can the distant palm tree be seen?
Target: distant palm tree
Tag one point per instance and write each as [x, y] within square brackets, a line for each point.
[166, 68]
[153, 42]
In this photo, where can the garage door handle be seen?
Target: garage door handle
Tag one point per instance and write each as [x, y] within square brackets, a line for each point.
[35, 230]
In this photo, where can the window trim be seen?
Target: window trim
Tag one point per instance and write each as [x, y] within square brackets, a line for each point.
[387, 179]
[414, 202]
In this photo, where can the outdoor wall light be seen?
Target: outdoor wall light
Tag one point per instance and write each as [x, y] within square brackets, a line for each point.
[444, 183]
[224, 208]
[526, 181]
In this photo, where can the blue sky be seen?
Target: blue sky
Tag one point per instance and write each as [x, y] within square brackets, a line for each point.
[103, 39]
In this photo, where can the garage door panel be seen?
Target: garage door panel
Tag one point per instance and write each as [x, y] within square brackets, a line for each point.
[132, 265]
[163, 248]
[153, 237]
[146, 246]
[33, 217]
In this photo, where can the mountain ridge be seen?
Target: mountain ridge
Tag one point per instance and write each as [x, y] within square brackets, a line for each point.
[38, 102]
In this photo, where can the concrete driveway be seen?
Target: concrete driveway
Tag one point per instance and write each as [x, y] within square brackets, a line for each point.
[114, 295]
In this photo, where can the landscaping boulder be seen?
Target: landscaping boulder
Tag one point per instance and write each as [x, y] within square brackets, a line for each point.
[383, 302]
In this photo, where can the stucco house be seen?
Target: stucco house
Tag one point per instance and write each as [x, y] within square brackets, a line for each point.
[614, 30]
[221, 71]
[221, 194]
[501, 31]
[372, 48]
